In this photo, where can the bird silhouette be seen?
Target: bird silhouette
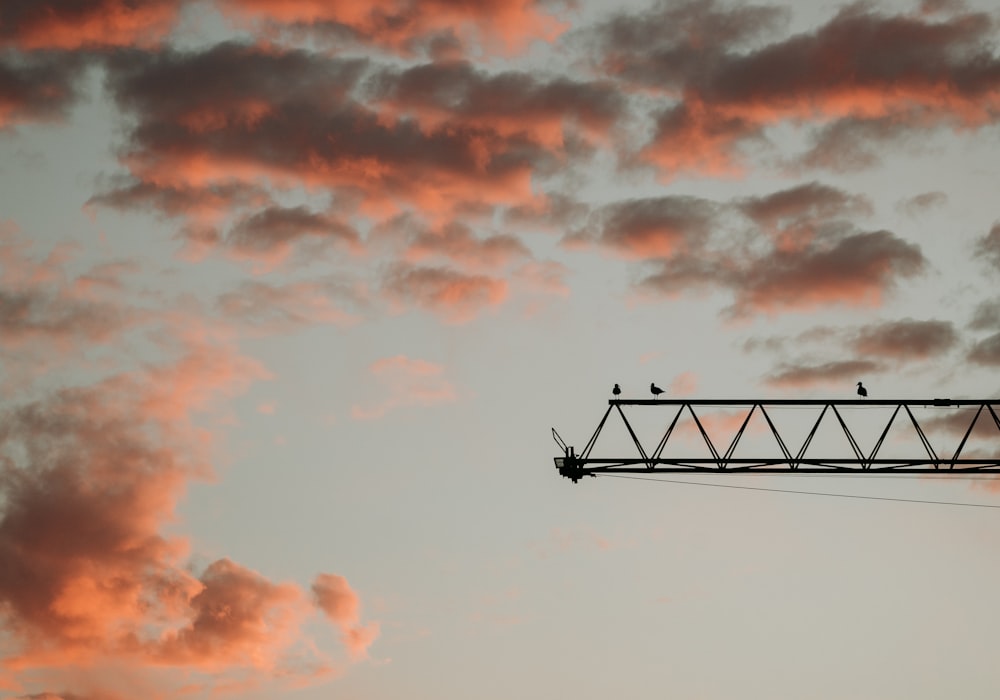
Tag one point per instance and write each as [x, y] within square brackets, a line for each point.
[862, 392]
[655, 390]
[617, 391]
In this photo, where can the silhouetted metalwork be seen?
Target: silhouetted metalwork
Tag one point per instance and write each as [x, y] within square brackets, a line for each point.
[574, 465]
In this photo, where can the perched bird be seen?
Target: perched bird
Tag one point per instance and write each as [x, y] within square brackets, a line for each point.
[655, 390]
[862, 392]
[617, 391]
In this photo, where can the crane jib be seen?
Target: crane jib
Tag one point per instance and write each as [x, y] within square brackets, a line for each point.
[957, 418]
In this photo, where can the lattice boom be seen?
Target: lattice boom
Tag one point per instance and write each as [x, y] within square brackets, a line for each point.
[660, 458]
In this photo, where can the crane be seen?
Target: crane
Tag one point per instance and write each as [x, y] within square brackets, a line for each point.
[783, 459]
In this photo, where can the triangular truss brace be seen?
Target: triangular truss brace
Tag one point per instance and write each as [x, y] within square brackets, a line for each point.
[660, 458]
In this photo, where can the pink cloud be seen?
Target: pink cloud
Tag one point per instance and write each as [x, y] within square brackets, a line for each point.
[453, 241]
[341, 605]
[659, 227]
[793, 218]
[547, 276]
[855, 270]
[261, 307]
[800, 251]
[269, 235]
[48, 315]
[203, 205]
[408, 382]
[91, 477]
[455, 296]
[684, 384]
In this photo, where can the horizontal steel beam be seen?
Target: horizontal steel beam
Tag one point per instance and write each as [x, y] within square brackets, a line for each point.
[955, 403]
[723, 461]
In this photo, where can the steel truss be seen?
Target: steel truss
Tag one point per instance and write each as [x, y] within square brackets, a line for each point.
[574, 466]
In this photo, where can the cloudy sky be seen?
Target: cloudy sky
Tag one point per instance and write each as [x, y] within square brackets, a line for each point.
[292, 292]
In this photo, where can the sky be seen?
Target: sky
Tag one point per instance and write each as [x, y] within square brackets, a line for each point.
[293, 292]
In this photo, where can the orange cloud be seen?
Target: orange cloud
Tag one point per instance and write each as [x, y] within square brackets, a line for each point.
[75, 24]
[91, 476]
[866, 77]
[238, 618]
[338, 143]
[85, 565]
[403, 25]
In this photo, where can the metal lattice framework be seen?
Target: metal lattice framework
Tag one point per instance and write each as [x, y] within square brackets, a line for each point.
[660, 459]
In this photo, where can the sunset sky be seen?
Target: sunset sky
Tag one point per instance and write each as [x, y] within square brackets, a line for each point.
[293, 291]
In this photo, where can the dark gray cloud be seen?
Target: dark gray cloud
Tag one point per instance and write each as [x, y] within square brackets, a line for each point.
[247, 113]
[650, 228]
[38, 86]
[987, 247]
[922, 203]
[986, 351]
[517, 99]
[181, 201]
[454, 241]
[907, 339]
[272, 232]
[866, 79]
[986, 317]
[792, 375]
[454, 295]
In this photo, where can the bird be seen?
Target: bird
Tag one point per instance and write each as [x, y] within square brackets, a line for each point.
[655, 390]
[617, 391]
[862, 392]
